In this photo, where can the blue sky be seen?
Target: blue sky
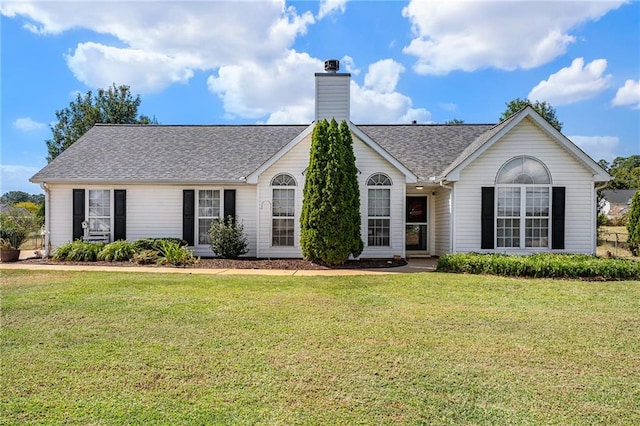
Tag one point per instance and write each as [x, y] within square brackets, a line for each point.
[214, 62]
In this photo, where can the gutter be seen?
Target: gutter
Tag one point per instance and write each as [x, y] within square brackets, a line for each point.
[47, 218]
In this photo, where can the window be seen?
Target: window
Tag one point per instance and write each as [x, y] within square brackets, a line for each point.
[379, 210]
[283, 205]
[99, 211]
[208, 211]
[523, 204]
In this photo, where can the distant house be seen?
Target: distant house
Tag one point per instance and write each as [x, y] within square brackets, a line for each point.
[519, 186]
[616, 202]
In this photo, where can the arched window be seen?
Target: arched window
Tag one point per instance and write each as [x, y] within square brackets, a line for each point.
[283, 204]
[378, 210]
[523, 205]
[523, 170]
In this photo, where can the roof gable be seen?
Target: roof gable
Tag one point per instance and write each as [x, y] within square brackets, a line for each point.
[485, 141]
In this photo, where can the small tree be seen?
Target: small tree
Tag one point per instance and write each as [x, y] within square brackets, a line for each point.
[330, 218]
[227, 238]
[633, 225]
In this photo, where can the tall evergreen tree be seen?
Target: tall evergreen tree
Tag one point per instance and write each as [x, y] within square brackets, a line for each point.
[330, 218]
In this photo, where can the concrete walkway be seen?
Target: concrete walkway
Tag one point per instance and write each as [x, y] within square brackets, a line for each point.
[413, 266]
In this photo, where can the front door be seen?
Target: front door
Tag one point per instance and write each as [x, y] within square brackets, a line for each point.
[416, 224]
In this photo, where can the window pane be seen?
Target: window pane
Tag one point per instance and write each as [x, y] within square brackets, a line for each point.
[378, 232]
[284, 202]
[283, 180]
[523, 170]
[379, 179]
[536, 233]
[508, 202]
[208, 203]
[99, 224]
[537, 201]
[379, 202]
[203, 230]
[99, 216]
[282, 232]
[508, 234]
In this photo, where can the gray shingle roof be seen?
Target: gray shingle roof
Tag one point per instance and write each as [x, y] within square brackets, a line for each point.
[142, 153]
[425, 149]
[618, 196]
[145, 153]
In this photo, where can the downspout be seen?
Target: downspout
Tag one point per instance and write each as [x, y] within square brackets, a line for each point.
[451, 225]
[47, 218]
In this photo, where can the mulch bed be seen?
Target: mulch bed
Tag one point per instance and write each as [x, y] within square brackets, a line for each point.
[248, 263]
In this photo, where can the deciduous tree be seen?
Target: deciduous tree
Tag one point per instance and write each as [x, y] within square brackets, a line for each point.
[546, 110]
[115, 105]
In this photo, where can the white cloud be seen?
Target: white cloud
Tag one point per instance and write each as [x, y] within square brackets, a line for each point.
[629, 94]
[598, 147]
[574, 83]
[160, 43]
[327, 7]
[27, 124]
[464, 35]
[448, 106]
[16, 178]
[283, 91]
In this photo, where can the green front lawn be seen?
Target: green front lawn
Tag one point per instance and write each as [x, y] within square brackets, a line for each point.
[128, 348]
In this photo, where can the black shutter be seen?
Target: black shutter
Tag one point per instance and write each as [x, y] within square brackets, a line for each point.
[78, 213]
[188, 215]
[557, 217]
[487, 225]
[229, 203]
[120, 214]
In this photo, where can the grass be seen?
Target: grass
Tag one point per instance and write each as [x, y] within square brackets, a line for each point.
[114, 348]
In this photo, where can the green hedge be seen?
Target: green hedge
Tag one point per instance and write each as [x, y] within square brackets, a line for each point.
[541, 266]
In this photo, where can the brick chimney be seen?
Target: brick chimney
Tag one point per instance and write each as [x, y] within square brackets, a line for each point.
[332, 92]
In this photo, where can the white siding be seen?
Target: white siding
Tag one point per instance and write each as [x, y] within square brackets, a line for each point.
[332, 96]
[442, 221]
[527, 139]
[153, 211]
[294, 163]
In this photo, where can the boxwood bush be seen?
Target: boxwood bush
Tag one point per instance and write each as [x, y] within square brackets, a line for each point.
[542, 265]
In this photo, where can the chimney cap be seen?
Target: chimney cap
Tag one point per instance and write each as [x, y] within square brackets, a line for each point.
[331, 65]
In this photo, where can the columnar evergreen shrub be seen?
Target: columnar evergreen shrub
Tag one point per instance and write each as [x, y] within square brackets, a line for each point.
[330, 218]
[227, 238]
[633, 225]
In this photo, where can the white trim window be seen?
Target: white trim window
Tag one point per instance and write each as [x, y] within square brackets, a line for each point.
[283, 207]
[379, 210]
[523, 204]
[208, 211]
[99, 211]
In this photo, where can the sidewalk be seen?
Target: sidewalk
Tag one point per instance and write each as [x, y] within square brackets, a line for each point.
[413, 266]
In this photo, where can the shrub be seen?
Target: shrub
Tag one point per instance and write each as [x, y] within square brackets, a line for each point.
[171, 253]
[227, 238]
[16, 225]
[117, 251]
[80, 251]
[603, 220]
[330, 216]
[146, 257]
[154, 243]
[542, 265]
